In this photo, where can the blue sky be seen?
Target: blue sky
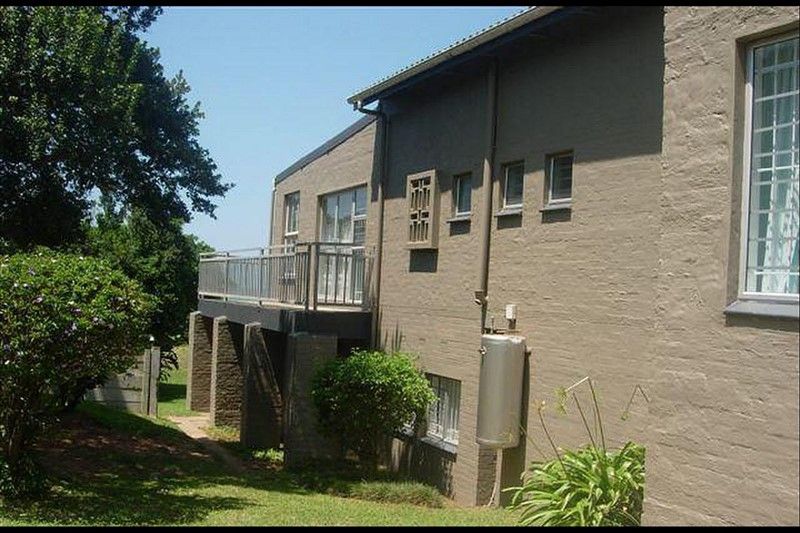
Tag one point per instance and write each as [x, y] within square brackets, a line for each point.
[273, 82]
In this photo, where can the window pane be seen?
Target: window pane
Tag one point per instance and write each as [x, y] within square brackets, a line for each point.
[513, 190]
[292, 204]
[361, 201]
[443, 412]
[774, 210]
[359, 231]
[463, 192]
[329, 219]
[561, 178]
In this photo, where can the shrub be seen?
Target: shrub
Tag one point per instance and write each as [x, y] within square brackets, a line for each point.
[590, 486]
[66, 324]
[365, 397]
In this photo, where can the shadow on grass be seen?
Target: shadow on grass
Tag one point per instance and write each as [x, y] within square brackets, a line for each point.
[111, 467]
[168, 392]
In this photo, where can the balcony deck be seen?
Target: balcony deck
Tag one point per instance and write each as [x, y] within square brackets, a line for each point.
[315, 287]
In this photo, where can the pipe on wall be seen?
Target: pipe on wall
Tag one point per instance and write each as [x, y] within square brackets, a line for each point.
[487, 189]
[383, 170]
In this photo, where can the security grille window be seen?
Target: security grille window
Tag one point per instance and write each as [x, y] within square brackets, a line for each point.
[513, 185]
[559, 169]
[291, 212]
[462, 195]
[770, 236]
[443, 412]
[423, 207]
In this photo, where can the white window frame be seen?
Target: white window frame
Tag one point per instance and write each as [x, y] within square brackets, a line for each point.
[290, 235]
[353, 216]
[551, 159]
[457, 194]
[506, 167]
[436, 431]
[746, 177]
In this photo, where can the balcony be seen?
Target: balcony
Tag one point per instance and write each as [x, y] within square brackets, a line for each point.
[311, 276]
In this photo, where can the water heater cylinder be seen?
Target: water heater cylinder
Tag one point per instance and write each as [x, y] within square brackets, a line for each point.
[500, 390]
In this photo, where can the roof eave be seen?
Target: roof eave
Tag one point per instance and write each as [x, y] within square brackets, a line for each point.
[375, 92]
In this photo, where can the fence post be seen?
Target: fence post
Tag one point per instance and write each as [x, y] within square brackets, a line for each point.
[155, 369]
[316, 274]
[145, 395]
[307, 275]
[227, 261]
[260, 276]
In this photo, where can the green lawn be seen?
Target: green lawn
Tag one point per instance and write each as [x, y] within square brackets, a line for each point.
[110, 467]
[172, 391]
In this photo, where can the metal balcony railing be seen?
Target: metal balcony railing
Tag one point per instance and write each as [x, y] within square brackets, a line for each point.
[307, 274]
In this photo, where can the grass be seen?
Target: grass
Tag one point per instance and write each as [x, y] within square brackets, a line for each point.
[109, 467]
[172, 391]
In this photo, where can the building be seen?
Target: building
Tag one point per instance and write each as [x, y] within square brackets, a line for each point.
[628, 179]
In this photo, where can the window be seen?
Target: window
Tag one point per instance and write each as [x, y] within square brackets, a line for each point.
[443, 412]
[341, 269]
[512, 185]
[291, 210]
[462, 195]
[559, 179]
[423, 210]
[770, 201]
[344, 216]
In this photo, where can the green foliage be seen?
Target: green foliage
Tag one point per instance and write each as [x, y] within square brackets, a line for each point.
[161, 258]
[590, 486]
[367, 396]
[586, 487]
[85, 106]
[66, 323]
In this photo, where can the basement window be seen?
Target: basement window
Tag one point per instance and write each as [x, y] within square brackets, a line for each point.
[442, 423]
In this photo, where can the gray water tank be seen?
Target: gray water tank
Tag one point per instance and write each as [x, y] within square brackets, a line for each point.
[500, 390]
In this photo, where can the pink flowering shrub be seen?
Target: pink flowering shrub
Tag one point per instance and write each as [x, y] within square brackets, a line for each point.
[66, 324]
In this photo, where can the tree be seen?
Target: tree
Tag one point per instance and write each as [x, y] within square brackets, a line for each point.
[66, 323]
[160, 257]
[85, 108]
[364, 398]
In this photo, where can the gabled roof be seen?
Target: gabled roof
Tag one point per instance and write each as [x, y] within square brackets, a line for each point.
[420, 69]
[326, 147]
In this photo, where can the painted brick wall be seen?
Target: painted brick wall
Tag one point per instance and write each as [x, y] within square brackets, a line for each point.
[724, 435]
[347, 165]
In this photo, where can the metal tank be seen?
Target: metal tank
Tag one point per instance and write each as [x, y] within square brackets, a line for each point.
[500, 390]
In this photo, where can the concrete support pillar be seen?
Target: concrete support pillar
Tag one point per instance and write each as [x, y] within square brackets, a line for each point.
[304, 354]
[226, 373]
[262, 404]
[198, 369]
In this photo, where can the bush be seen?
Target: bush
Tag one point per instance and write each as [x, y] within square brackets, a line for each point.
[589, 486]
[366, 397]
[586, 487]
[66, 324]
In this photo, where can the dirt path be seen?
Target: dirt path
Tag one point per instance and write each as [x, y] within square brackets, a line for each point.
[193, 427]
